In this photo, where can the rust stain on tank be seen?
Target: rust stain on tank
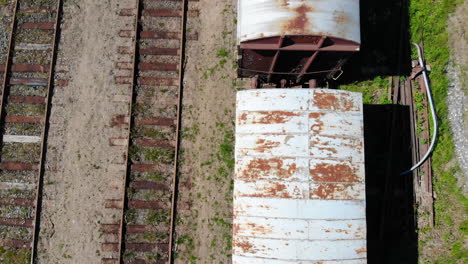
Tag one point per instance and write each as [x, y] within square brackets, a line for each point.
[319, 123]
[316, 115]
[340, 17]
[235, 228]
[274, 190]
[245, 246]
[342, 231]
[324, 191]
[361, 250]
[328, 101]
[300, 22]
[283, 3]
[268, 117]
[263, 145]
[274, 165]
[259, 229]
[332, 150]
[342, 172]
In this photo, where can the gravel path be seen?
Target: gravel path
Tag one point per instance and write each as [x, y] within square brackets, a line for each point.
[458, 109]
[457, 99]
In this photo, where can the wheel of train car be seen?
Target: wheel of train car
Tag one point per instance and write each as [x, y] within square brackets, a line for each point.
[313, 83]
[283, 83]
[254, 83]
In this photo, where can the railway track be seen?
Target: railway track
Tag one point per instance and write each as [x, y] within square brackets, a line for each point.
[413, 93]
[27, 86]
[145, 231]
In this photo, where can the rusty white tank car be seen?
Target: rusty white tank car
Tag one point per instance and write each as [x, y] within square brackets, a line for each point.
[296, 40]
[299, 187]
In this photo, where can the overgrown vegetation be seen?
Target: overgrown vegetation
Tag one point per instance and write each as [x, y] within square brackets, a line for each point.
[444, 243]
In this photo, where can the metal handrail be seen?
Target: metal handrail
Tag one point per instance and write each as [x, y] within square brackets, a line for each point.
[433, 113]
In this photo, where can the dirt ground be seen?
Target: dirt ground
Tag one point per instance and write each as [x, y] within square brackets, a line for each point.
[83, 169]
[204, 231]
[458, 91]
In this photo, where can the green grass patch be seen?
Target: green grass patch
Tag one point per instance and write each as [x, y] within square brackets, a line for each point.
[130, 216]
[226, 149]
[222, 53]
[18, 256]
[162, 155]
[23, 129]
[24, 152]
[374, 91]
[158, 217]
[155, 176]
[152, 132]
[221, 222]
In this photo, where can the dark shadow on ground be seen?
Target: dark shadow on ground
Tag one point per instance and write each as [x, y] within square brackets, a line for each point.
[391, 235]
[385, 46]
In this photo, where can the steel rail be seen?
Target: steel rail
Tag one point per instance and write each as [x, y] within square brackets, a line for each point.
[40, 175]
[7, 63]
[178, 126]
[121, 248]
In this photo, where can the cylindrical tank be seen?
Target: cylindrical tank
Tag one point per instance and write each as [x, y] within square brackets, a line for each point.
[299, 187]
[296, 39]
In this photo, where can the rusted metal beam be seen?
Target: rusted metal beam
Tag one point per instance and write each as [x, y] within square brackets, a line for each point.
[19, 222]
[285, 73]
[275, 58]
[155, 66]
[299, 47]
[26, 68]
[17, 166]
[18, 99]
[21, 202]
[310, 60]
[166, 35]
[23, 119]
[135, 204]
[156, 121]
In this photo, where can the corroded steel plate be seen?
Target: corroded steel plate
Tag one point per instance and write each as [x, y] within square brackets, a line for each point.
[299, 192]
